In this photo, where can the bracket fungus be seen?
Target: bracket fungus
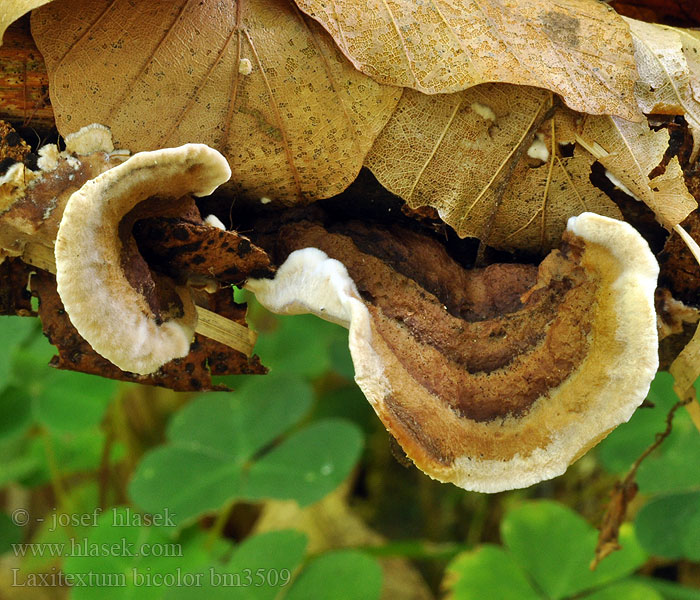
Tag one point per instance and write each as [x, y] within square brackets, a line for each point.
[136, 330]
[508, 384]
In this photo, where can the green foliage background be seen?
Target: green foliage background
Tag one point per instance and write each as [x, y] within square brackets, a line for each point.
[93, 453]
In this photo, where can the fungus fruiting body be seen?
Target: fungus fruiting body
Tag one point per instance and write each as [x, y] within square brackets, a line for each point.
[104, 306]
[569, 358]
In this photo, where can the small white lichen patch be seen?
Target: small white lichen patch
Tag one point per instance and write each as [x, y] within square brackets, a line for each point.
[538, 149]
[245, 67]
[48, 158]
[485, 112]
[73, 162]
[50, 207]
[214, 221]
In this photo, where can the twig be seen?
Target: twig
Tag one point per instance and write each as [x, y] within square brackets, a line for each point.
[623, 493]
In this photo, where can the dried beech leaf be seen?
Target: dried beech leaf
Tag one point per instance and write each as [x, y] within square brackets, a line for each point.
[691, 50]
[539, 201]
[581, 50]
[455, 152]
[14, 9]
[256, 80]
[464, 154]
[180, 247]
[664, 85]
[631, 151]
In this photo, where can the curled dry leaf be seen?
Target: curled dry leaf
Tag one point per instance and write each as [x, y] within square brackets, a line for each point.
[630, 152]
[665, 85]
[466, 154]
[579, 49]
[14, 9]
[615, 514]
[256, 80]
[493, 378]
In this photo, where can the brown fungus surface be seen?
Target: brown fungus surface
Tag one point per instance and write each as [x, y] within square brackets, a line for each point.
[490, 378]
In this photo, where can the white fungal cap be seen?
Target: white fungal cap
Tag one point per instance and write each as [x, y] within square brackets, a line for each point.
[112, 316]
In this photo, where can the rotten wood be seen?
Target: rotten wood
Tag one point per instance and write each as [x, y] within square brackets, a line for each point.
[24, 82]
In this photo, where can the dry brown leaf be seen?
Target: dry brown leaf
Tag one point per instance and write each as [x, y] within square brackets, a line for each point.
[258, 81]
[463, 154]
[580, 49]
[14, 9]
[691, 51]
[630, 152]
[455, 152]
[536, 206]
[665, 84]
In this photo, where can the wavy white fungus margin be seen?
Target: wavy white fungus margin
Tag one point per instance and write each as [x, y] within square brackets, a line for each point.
[111, 315]
[311, 282]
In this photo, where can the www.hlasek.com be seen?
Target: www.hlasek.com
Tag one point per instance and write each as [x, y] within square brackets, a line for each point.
[148, 578]
[84, 547]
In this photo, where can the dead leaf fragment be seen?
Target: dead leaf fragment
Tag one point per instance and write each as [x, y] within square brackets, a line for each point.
[686, 368]
[538, 202]
[195, 249]
[465, 154]
[608, 538]
[296, 127]
[578, 49]
[455, 152]
[665, 84]
[14, 9]
[631, 151]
